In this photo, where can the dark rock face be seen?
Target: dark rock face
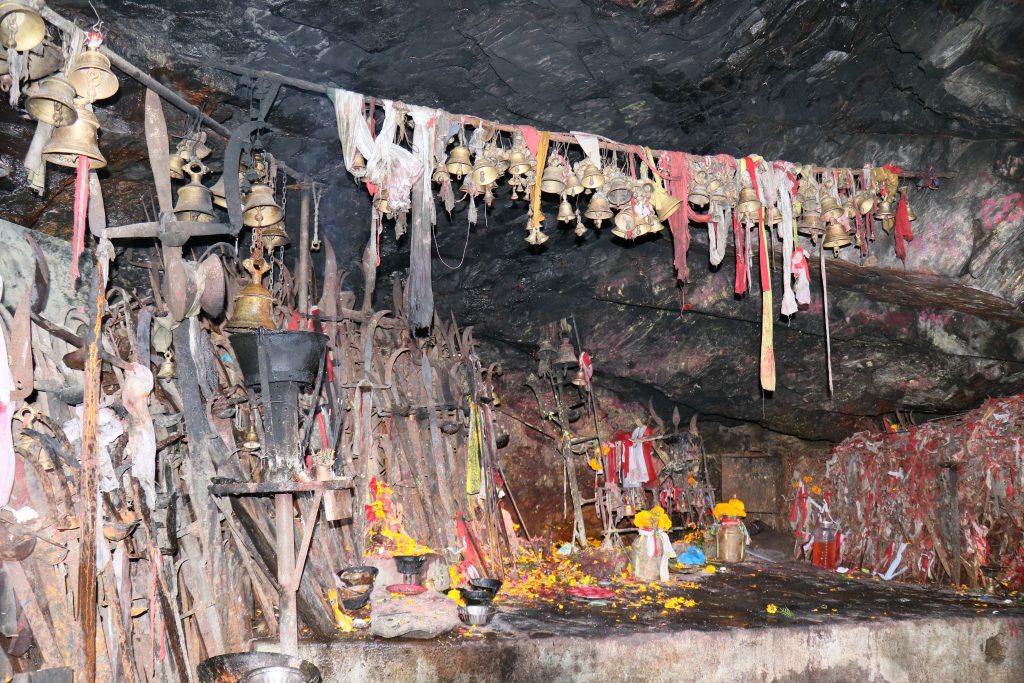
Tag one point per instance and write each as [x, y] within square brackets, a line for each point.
[921, 84]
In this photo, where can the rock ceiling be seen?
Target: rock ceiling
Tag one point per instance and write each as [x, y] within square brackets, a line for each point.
[925, 85]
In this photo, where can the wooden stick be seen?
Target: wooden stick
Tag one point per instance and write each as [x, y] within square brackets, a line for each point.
[288, 632]
[34, 615]
[88, 484]
[307, 537]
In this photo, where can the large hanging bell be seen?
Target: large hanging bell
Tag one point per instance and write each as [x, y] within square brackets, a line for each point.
[884, 210]
[484, 172]
[79, 139]
[458, 163]
[565, 212]
[836, 238]
[552, 181]
[811, 224]
[665, 204]
[259, 209]
[749, 206]
[254, 305]
[91, 76]
[519, 162]
[625, 224]
[831, 211]
[52, 101]
[195, 203]
[598, 209]
[274, 236]
[617, 190]
[21, 27]
[591, 177]
[573, 186]
[566, 354]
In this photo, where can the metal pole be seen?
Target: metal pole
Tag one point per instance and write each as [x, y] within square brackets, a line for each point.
[303, 277]
[288, 619]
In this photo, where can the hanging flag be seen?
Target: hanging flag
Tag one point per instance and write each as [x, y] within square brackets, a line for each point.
[586, 367]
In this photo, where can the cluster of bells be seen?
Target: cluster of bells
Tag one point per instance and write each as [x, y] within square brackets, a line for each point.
[59, 98]
[563, 360]
[639, 207]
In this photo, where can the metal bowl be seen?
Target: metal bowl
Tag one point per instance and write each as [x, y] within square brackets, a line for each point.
[476, 615]
[476, 596]
[490, 585]
[238, 667]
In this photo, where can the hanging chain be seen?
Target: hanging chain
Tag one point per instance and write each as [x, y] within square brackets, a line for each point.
[314, 244]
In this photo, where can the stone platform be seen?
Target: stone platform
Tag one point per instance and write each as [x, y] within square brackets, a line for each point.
[835, 629]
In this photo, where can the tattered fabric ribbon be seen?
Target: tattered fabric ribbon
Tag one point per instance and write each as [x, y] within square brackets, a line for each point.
[81, 211]
[767, 334]
[536, 216]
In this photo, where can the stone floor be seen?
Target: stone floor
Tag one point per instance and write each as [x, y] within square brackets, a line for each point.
[825, 627]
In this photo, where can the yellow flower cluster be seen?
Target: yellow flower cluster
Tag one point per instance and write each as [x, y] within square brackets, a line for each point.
[404, 544]
[772, 608]
[733, 508]
[679, 603]
[455, 595]
[653, 518]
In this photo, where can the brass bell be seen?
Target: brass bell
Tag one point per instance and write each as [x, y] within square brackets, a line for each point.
[911, 216]
[440, 174]
[274, 236]
[888, 224]
[458, 161]
[52, 101]
[380, 201]
[579, 380]
[565, 212]
[884, 210]
[167, 369]
[749, 206]
[218, 193]
[254, 305]
[772, 216]
[617, 190]
[259, 209]
[91, 76]
[176, 168]
[358, 163]
[195, 202]
[551, 181]
[573, 186]
[535, 237]
[652, 225]
[625, 224]
[566, 354]
[865, 202]
[716, 191]
[519, 162]
[79, 139]
[598, 210]
[21, 27]
[591, 177]
[251, 441]
[811, 224]
[830, 210]
[836, 238]
[665, 204]
[484, 172]
[699, 193]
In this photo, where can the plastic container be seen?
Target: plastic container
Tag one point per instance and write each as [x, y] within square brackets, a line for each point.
[825, 546]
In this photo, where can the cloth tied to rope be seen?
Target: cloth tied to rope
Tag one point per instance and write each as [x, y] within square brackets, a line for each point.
[767, 338]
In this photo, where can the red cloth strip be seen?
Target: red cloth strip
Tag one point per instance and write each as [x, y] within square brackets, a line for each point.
[81, 211]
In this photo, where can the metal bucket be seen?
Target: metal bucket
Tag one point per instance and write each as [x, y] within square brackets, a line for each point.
[293, 356]
[257, 667]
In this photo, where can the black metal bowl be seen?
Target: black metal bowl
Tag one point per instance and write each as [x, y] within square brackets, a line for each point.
[293, 355]
[492, 585]
[476, 596]
[409, 564]
[358, 578]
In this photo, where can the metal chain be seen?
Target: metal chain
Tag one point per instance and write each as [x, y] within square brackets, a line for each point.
[314, 244]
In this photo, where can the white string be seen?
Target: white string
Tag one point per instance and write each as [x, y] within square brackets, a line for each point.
[464, 248]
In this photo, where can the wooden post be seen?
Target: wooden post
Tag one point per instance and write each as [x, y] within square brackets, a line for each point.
[288, 620]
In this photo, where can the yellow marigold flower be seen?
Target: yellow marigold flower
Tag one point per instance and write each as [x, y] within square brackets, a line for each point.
[733, 508]
[816, 490]
[710, 569]
[772, 608]
[455, 595]
[808, 479]
[595, 465]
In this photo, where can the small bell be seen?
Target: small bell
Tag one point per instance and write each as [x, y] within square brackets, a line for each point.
[259, 209]
[865, 202]
[625, 224]
[195, 202]
[699, 194]
[884, 210]
[579, 379]
[536, 237]
[836, 238]
[598, 210]
[21, 27]
[177, 169]
[251, 441]
[458, 163]
[440, 174]
[772, 217]
[716, 191]
[92, 77]
[79, 139]
[911, 216]
[653, 225]
[380, 201]
[573, 186]
[167, 369]
[273, 236]
[591, 177]
[52, 101]
[565, 212]
[617, 190]
[665, 204]
[552, 182]
[358, 163]
[254, 305]
[218, 194]
[749, 206]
